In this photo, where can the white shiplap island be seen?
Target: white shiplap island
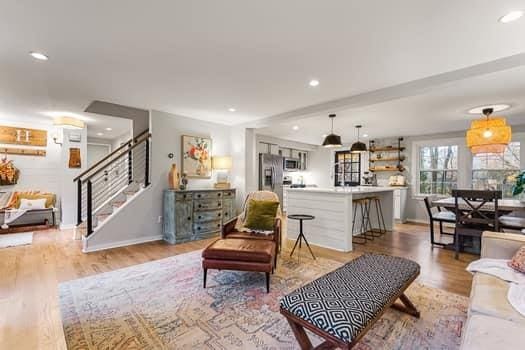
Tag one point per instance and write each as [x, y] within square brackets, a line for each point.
[333, 211]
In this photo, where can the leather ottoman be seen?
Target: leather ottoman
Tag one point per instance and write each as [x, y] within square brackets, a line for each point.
[240, 255]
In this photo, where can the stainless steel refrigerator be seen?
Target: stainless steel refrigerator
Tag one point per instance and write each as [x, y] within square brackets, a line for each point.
[271, 173]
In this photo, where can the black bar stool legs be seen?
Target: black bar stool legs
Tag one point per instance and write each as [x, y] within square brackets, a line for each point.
[365, 227]
[381, 230]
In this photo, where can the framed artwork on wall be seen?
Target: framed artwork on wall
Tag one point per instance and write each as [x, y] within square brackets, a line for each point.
[196, 156]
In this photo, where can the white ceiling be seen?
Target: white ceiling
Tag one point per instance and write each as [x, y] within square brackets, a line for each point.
[198, 58]
[441, 109]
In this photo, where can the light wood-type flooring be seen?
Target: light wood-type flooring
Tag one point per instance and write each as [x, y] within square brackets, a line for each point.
[29, 275]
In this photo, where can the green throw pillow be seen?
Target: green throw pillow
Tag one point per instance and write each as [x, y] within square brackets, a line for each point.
[261, 215]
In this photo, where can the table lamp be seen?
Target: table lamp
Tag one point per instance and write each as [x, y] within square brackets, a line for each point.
[222, 164]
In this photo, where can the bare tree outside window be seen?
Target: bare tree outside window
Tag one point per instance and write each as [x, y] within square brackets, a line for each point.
[438, 169]
[497, 171]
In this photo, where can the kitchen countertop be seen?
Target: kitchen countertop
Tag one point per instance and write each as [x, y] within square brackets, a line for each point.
[344, 190]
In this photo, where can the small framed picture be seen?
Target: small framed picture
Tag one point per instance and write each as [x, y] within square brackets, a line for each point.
[196, 156]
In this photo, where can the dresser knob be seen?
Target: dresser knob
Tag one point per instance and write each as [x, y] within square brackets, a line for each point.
[200, 217]
[198, 228]
[218, 225]
[219, 214]
[200, 205]
[189, 217]
[199, 196]
[218, 194]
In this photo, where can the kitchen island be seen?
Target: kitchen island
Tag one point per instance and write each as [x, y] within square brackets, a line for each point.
[333, 211]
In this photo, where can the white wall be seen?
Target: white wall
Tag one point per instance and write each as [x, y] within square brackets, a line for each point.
[138, 220]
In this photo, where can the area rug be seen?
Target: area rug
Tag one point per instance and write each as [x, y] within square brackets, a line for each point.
[162, 305]
[15, 239]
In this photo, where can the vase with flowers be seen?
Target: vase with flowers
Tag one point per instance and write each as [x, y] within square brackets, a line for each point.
[519, 186]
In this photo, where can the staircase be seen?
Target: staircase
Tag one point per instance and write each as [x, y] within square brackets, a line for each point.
[107, 186]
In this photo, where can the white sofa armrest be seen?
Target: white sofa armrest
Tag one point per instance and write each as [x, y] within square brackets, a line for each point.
[499, 245]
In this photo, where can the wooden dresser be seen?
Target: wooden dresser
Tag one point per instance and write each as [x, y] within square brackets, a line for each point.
[196, 214]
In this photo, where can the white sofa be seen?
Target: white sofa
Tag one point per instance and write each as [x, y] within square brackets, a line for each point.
[492, 322]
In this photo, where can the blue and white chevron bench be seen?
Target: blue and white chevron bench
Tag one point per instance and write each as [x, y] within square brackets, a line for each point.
[341, 306]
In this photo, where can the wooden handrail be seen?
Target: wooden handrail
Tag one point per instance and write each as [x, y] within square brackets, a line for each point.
[126, 144]
[118, 157]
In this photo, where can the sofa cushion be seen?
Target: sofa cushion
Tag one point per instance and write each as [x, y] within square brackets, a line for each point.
[489, 297]
[488, 333]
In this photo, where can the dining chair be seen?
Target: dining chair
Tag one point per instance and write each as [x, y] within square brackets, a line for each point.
[440, 217]
[476, 211]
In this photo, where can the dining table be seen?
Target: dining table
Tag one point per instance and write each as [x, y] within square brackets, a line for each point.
[505, 206]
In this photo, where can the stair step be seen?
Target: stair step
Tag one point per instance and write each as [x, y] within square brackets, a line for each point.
[118, 204]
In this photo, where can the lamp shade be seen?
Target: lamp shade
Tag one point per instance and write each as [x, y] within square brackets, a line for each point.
[332, 140]
[490, 135]
[358, 147]
[68, 123]
[221, 162]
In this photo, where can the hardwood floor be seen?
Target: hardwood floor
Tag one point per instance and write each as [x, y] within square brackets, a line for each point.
[29, 275]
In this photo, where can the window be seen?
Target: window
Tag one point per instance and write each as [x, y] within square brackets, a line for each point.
[438, 169]
[347, 168]
[495, 171]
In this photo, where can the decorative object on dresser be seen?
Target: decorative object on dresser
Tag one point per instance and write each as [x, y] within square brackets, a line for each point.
[196, 156]
[376, 156]
[222, 164]
[196, 214]
[173, 177]
[23, 136]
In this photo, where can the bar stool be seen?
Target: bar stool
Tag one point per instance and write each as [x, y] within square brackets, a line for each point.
[301, 236]
[380, 218]
[363, 204]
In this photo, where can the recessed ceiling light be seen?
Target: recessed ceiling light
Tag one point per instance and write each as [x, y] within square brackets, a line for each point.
[100, 134]
[39, 56]
[313, 82]
[108, 129]
[511, 16]
[232, 109]
[497, 108]
[295, 127]
[365, 135]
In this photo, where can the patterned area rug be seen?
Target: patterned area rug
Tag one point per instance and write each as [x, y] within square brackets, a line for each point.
[162, 305]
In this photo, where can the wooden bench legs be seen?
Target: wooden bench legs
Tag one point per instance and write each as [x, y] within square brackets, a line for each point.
[407, 306]
[297, 325]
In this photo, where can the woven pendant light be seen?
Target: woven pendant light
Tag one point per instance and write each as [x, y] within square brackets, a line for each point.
[488, 135]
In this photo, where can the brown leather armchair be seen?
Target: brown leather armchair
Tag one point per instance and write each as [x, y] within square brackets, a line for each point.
[233, 228]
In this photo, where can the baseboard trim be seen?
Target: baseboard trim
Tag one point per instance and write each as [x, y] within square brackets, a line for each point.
[87, 249]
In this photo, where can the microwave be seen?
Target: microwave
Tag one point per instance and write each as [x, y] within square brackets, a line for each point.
[292, 164]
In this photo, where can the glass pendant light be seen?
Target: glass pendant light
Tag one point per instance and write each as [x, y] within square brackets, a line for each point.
[332, 140]
[358, 146]
[488, 135]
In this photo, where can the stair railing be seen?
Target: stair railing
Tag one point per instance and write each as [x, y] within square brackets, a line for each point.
[130, 163]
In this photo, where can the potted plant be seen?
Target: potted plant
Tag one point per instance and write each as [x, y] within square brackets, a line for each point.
[519, 186]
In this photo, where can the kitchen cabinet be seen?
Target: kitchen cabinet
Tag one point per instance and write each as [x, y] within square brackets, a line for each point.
[400, 203]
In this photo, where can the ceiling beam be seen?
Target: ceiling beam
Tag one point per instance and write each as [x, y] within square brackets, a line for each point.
[407, 89]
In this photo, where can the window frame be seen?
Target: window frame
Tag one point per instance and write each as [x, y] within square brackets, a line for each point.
[497, 170]
[416, 165]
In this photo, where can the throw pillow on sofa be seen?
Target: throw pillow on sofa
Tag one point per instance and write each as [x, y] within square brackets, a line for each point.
[518, 260]
[32, 204]
[260, 215]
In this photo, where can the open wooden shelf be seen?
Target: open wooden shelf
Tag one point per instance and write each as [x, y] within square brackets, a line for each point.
[393, 159]
[387, 149]
[392, 168]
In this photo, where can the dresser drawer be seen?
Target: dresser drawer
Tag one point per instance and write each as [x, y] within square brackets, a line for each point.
[207, 204]
[202, 227]
[228, 194]
[208, 195]
[204, 216]
[183, 196]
